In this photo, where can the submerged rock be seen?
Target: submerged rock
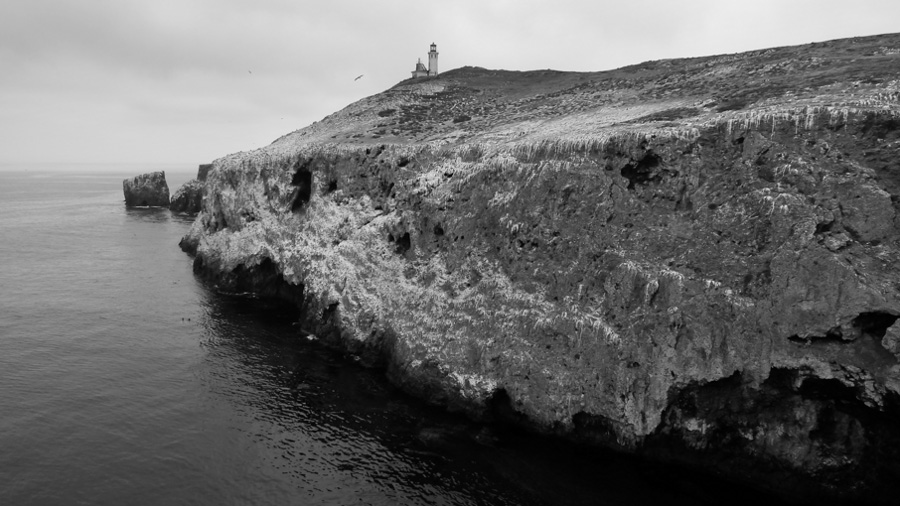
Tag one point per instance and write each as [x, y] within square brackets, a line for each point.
[187, 198]
[147, 190]
[695, 259]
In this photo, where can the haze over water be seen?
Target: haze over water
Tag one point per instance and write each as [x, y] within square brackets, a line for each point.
[126, 380]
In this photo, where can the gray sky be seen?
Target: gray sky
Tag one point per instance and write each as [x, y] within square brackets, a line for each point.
[187, 81]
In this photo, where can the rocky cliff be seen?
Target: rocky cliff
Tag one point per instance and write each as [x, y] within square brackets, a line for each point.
[189, 197]
[693, 259]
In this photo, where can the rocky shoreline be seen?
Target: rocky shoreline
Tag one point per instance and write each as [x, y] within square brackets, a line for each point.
[152, 190]
[669, 259]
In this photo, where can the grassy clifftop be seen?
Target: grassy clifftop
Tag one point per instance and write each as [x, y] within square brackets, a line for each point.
[474, 105]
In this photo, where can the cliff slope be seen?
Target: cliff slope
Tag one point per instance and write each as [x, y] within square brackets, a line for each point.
[695, 258]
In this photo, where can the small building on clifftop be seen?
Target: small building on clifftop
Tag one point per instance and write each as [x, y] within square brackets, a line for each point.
[432, 69]
[420, 71]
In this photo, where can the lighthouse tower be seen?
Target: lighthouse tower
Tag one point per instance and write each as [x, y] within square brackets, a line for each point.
[432, 60]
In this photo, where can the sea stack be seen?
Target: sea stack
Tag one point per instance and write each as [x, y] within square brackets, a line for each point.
[147, 190]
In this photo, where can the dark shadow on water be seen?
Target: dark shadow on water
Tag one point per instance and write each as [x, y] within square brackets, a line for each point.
[148, 214]
[157, 215]
[315, 400]
[182, 217]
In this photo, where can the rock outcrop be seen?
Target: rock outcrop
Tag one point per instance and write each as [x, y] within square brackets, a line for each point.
[692, 259]
[148, 189]
[187, 197]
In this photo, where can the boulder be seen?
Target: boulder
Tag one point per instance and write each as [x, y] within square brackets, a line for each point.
[147, 190]
[187, 198]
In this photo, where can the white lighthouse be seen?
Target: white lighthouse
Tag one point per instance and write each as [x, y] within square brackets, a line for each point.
[432, 69]
[432, 60]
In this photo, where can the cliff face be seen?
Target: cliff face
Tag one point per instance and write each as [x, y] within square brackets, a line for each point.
[695, 259]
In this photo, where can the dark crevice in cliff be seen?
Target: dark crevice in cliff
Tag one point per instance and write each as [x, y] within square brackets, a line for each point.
[595, 429]
[642, 171]
[874, 323]
[404, 243]
[263, 280]
[303, 180]
[329, 311]
[824, 227]
[827, 389]
[500, 409]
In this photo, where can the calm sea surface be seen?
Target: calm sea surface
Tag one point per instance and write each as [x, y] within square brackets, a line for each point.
[125, 380]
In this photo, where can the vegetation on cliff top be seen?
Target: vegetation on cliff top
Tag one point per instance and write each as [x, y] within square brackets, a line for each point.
[474, 105]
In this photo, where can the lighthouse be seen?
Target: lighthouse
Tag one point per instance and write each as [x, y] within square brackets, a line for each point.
[432, 60]
[432, 69]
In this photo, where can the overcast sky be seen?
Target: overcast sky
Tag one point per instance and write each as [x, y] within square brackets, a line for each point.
[187, 81]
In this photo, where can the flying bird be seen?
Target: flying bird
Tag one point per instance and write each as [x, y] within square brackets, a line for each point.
[357, 77]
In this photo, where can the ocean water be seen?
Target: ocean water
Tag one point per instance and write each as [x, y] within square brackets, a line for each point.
[124, 379]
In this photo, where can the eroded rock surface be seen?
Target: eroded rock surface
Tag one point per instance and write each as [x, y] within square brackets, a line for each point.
[187, 198]
[148, 189]
[695, 259]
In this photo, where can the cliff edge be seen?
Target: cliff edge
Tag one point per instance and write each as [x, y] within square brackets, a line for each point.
[694, 259]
